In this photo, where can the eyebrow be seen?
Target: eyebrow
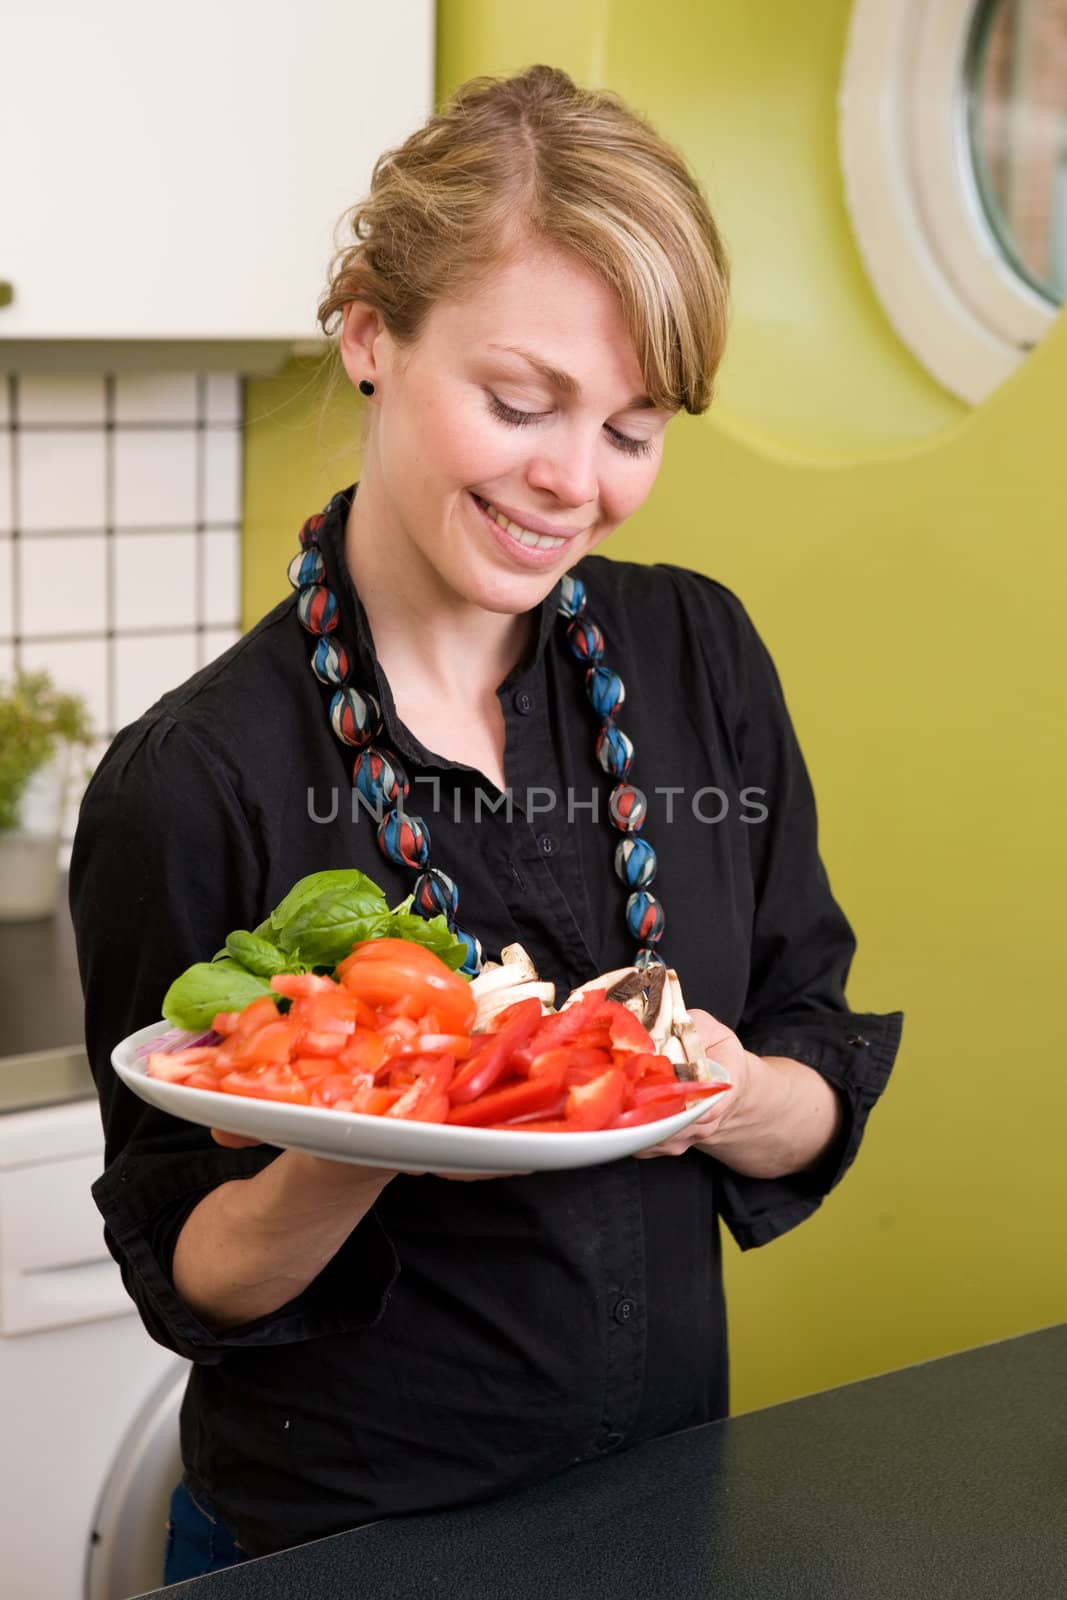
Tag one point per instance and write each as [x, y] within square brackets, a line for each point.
[563, 380]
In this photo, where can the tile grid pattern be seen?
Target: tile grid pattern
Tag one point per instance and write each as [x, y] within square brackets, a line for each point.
[119, 535]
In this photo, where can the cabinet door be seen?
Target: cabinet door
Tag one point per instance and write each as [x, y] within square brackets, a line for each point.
[177, 171]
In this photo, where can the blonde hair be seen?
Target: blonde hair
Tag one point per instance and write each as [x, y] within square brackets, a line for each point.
[535, 157]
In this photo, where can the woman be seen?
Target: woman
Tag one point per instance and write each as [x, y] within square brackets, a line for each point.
[534, 289]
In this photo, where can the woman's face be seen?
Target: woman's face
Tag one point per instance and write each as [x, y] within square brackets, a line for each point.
[465, 423]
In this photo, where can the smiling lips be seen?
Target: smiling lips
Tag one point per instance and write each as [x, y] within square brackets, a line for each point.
[533, 540]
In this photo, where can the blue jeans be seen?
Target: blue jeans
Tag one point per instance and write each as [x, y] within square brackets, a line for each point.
[197, 1542]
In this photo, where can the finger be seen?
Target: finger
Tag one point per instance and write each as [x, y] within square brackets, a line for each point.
[232, 1141]
[711, 1030]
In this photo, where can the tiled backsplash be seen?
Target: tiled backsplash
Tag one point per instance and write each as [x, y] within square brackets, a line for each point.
[120, 507]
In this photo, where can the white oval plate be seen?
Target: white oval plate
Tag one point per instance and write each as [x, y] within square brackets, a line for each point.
[387, 1141]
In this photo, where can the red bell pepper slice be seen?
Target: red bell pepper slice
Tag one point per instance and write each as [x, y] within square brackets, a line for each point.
[626, 1031]
[561, 1027]
[566, 1056]
[481, 1070]
[522, 1098]
[648, 1093]
[591, 1106]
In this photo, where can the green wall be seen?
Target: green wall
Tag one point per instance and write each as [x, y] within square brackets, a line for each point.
[903, 557]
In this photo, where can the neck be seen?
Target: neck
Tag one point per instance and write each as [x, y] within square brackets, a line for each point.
[431, 642]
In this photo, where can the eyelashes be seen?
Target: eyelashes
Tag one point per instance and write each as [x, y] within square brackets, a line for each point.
[522, 419]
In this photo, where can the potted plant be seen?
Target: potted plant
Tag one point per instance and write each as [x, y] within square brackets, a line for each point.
[40, 728]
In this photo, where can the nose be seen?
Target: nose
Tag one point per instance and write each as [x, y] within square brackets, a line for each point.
[566, 467]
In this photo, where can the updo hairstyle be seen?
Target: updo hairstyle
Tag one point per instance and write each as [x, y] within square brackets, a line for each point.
[534, 157]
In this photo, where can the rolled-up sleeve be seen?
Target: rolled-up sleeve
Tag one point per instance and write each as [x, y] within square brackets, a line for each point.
[165, 863]
[801, 952]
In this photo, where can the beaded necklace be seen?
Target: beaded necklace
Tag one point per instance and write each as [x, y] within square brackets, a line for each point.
[356, 719]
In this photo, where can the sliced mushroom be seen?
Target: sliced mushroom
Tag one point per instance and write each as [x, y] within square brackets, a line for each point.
[686, 1031]
[492, 1004]
[606, 981]
[657, 1014]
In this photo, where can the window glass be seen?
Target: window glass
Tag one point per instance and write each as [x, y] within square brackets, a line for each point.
[1016, 89]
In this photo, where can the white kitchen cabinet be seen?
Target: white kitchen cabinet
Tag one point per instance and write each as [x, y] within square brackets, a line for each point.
[175, 172]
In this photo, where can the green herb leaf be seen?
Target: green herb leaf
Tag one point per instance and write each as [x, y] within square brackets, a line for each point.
[326, 913]
[203, 990]
[256, 955]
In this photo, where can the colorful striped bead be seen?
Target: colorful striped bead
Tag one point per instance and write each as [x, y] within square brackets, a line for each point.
[435, 894]
[586, 639]
[355, 717]
[475, 954]
[307, 566]
[330, 662]
[605, 689]
[379, 777]
[571, 596]
[614, 751]
[627, 807]
[309, 533]
[404, 839]
[317, 609]
[644, 917]
[647, 957]
[635, 862]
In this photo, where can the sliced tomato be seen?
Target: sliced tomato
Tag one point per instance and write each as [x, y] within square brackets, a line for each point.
[428, 1090]
[174, 1066]
[299, 985]
[270, 1080]
[275, 1041]
[411, 980]
[225, 1022]
[256, 1015]
[364, 1051]
[370, 1100]
[481, 1070]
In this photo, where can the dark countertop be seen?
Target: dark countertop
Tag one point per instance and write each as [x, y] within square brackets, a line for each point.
[943, 1481]
[42, 1047]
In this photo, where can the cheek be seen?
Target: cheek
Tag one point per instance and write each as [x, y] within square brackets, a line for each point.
[629, 487]
[466, 446]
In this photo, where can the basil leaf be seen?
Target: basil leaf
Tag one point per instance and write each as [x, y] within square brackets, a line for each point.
[326, 913]
[203, 990]
[256, 955]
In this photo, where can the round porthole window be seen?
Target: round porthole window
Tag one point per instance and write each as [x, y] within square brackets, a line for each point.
[953, 138]
[1016, 84]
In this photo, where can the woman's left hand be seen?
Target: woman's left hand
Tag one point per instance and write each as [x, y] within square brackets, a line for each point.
[725, 1048]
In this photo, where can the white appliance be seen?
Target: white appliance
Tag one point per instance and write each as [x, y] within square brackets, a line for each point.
[88, 1402]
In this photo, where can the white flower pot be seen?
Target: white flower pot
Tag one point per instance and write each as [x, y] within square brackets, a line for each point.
[29, 852]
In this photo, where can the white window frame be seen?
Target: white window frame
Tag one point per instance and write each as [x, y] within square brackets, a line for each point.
[913, 201]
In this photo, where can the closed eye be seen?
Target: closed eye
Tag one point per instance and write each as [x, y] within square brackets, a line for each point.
[522, 419]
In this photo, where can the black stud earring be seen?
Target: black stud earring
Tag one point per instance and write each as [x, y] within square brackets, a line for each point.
[365, 386]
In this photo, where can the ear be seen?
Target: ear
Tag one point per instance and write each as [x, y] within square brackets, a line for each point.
[360, 327]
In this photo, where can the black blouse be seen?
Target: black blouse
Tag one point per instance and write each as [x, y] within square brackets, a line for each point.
[470, 1337]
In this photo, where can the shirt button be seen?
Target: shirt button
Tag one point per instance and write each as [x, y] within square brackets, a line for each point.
[857, 1041]
[524, 702]
[624, 1310]
[548, 844]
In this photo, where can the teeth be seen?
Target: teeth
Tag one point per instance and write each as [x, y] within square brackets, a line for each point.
[535, 541]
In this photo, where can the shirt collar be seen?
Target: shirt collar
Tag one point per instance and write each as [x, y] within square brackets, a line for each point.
[355, 631]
